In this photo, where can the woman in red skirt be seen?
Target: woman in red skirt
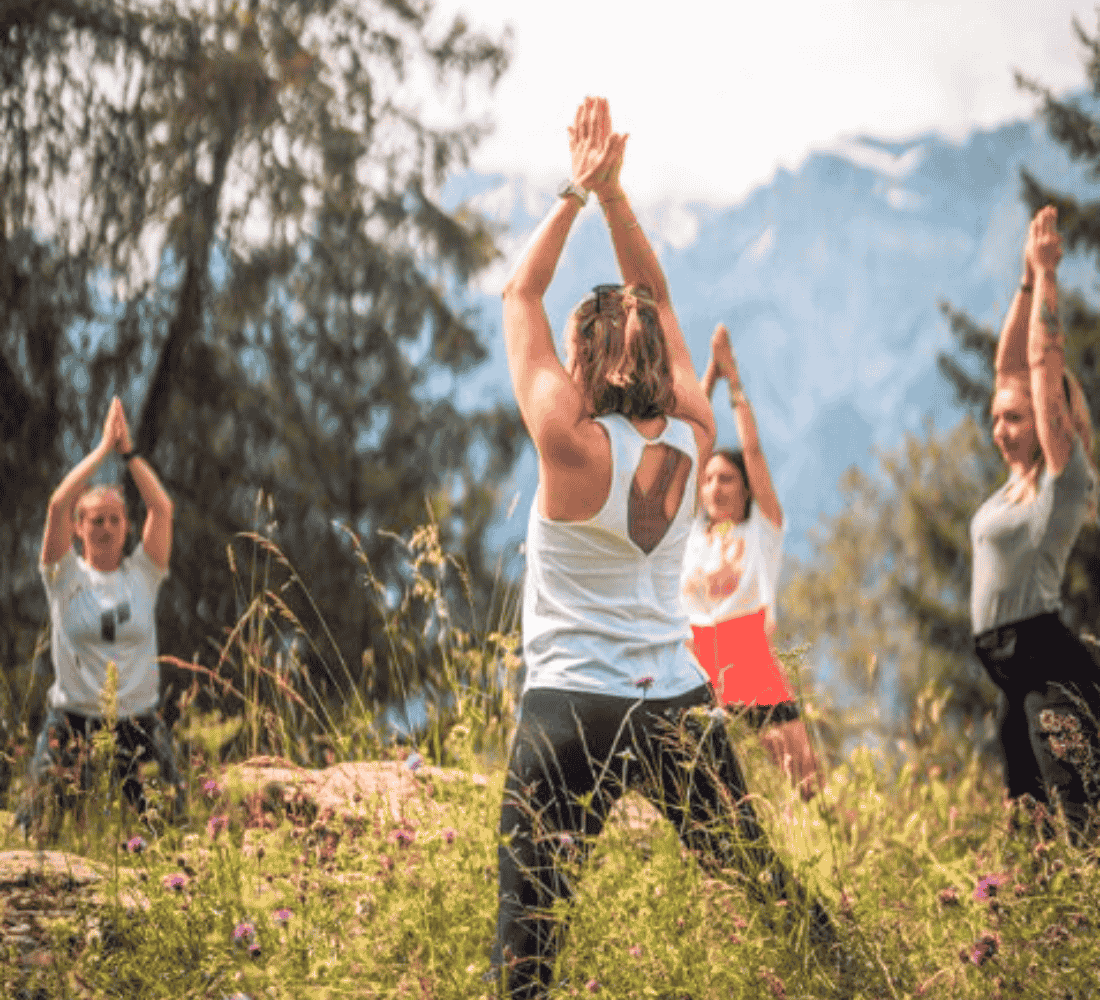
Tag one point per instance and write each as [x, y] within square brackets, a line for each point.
[731, 568]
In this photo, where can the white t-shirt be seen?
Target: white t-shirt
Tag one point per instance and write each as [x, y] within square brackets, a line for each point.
[755, 546]
[96, 617]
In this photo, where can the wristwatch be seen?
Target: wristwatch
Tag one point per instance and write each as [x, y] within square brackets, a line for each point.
[570, 189]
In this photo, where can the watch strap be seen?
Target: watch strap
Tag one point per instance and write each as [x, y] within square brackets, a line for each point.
[569, 189]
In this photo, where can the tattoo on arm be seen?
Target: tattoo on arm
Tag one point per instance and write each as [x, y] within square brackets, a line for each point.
[1050, 320]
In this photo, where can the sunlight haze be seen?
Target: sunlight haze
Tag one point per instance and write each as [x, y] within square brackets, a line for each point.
[715, 96]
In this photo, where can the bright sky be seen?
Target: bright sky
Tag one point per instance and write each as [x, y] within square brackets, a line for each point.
[717, 93]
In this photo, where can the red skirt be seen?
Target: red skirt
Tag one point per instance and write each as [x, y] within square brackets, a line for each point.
[740, 663]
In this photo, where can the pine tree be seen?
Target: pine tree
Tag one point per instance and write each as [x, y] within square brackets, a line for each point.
[230, 214]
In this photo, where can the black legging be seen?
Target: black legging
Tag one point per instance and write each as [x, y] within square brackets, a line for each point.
[137, 740]
[1048, 732]
[570, 747]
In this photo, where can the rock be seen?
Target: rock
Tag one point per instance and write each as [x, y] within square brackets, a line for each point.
[24, 868]
[348, 785]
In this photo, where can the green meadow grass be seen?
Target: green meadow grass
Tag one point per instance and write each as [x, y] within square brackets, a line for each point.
[938, 889]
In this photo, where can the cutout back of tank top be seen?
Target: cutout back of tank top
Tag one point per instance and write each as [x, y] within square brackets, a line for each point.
[656, 493]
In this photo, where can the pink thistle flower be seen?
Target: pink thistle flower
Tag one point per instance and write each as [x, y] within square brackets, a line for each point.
[987, 887]
[403, 837]
[449, 834]
[211, 789]
[135, 845]
[281, 916]
[414, 762]
[216, 824]
[985, 948]
[593, 986]
[245, 929]
[177, 881]
[645, 683]
[635, 951]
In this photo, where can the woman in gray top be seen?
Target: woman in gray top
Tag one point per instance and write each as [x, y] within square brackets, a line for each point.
[1021, 538]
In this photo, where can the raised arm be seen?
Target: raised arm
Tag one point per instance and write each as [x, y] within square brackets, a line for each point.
[58, 537]
[760, 477]
[639, 266]
[156, 533]
[1046, 344]
[551, 404]
[1012, 346]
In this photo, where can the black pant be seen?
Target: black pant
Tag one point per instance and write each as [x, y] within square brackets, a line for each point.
[1049, 731]
[137, 740]
[572, 757]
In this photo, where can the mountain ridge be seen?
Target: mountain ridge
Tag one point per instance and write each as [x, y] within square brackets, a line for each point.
[829, 277]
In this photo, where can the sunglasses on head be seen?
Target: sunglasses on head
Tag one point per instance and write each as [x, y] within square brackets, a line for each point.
[600, 293]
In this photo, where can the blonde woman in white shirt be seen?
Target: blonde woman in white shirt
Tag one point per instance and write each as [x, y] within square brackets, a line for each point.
[731, 570]
[102, 609]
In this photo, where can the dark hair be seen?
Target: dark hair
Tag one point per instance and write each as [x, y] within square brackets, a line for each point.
[736, 458]
[621, 353]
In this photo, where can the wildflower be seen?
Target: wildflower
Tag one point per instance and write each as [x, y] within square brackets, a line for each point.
[281, 916]
[982, 950]
[414, 762]
[949, 896]
[403, 837]
[565, 840]
[254, 949]
[635, 951]
[244, 930]
[449, 834]
[774, 984]
[135, 845]
[593, 985]
[645, 683]
[1056, 934]
[216, 824]
[211, 789]
[987, 887]
[177, 881]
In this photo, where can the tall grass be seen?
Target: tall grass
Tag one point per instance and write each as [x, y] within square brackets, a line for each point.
[938, 888]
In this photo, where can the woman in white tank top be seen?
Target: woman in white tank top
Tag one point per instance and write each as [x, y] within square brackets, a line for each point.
[613, 696]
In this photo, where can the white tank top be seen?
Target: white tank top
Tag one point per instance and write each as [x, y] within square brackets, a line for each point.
[599, 614]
